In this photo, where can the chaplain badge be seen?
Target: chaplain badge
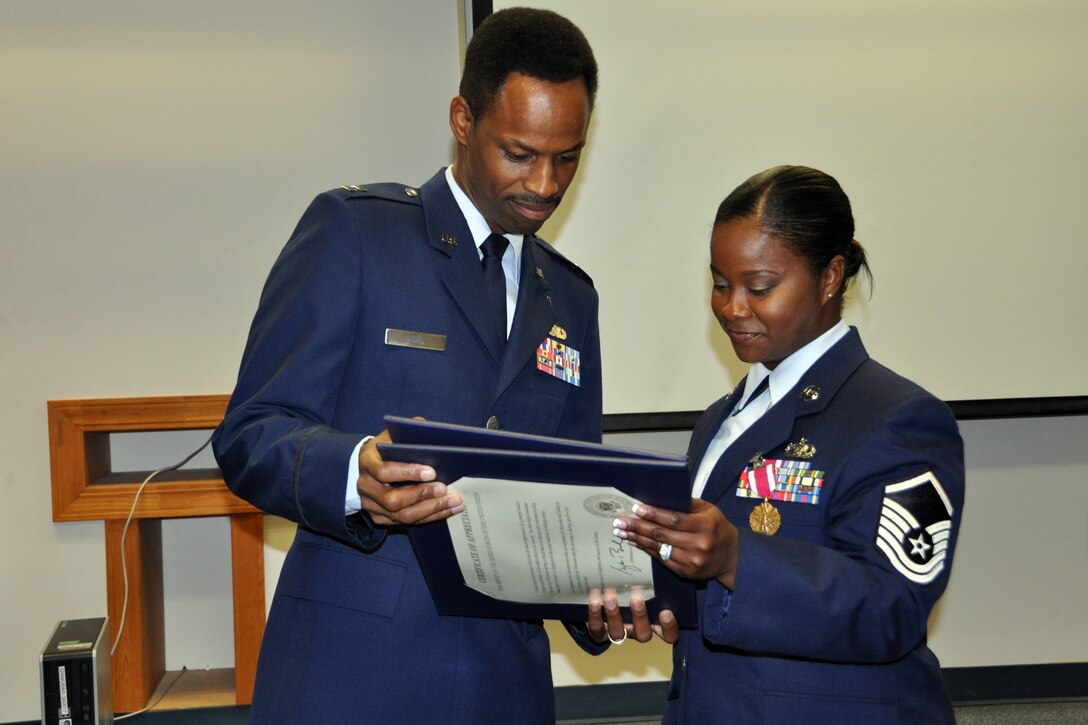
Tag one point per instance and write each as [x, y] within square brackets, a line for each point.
[915, 525]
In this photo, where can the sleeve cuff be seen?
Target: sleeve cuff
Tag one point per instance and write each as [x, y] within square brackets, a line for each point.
[353, 504]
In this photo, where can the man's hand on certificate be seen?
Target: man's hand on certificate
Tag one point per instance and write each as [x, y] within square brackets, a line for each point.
[605, 621]
[388, 505]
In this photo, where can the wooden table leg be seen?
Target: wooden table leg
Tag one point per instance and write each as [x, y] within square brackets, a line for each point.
[247, 567]
[140, 659]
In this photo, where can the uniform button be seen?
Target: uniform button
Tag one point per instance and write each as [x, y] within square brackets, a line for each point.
[493, 423]
[684, 662]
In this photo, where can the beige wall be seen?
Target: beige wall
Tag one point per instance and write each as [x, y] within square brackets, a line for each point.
[154, 157]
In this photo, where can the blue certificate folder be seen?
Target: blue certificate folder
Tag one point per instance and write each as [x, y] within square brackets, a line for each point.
[455, 451]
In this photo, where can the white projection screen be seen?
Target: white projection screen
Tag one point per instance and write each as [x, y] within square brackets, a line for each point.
[958, 129]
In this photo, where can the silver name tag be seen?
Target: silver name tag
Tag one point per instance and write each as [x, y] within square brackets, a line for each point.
[422, 340]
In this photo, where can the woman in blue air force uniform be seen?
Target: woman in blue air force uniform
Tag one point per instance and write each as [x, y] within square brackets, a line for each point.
[829, 492]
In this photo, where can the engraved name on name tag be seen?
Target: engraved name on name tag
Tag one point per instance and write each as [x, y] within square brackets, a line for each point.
[409, 338]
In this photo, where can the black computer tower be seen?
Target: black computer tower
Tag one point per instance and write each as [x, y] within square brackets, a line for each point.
[75, 674]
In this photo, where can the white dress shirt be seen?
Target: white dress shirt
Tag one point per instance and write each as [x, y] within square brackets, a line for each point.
[746, 412]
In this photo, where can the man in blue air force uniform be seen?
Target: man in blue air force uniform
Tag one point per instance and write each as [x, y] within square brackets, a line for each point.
[378, 305]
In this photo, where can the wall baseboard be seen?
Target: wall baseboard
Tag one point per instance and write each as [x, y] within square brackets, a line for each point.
[966, 685]
[1059, 681]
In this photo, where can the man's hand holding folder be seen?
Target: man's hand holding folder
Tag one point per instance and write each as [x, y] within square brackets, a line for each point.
[389, 504]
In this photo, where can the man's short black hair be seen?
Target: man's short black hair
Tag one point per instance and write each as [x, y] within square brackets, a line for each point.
[538, 43]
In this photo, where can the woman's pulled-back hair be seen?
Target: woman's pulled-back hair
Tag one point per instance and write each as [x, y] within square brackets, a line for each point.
[804, 208]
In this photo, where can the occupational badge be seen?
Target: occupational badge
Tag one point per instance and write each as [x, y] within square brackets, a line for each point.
[915, 525]
[801, 449]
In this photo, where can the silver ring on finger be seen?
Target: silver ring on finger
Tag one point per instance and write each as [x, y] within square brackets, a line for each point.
[665, 552]
[617, 641]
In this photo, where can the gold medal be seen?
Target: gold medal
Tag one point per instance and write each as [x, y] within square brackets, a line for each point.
[765, 518]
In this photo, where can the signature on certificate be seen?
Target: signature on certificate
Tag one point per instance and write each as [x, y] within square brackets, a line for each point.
[618, 549]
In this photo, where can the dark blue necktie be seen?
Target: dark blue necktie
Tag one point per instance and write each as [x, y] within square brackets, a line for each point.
[761, 387]
[495, 281]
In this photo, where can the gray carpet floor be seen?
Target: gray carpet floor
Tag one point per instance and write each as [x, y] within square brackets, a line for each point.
[1035, 713]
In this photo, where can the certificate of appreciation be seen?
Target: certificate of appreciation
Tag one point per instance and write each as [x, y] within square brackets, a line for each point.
[525, 541]
[535, 538]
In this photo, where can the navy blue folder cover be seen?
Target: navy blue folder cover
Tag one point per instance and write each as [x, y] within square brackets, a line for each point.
[457, 451]
[425, 432]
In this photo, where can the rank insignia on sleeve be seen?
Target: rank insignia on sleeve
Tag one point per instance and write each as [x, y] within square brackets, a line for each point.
[560, 361]
[915, 525]
[794, 481]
